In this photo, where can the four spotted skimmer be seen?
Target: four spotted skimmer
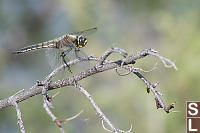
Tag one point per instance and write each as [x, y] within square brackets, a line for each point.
[65, 46]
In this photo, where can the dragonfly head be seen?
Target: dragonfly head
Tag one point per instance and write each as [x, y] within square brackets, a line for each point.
[81, 41]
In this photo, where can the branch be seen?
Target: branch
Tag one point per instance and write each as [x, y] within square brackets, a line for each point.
[19, 118]
[47, 103]
[98, 110]
[102, 65]
[167, 62]
[37, 88]
[150, 87]
[46, 107]
[110, 51]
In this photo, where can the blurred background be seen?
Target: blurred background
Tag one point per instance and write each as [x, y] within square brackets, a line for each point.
[171, 27]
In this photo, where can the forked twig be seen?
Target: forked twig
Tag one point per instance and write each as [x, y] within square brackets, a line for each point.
[98, 110]
[96, 107]
[19, 117]
[110, 51]
[49, 112]
[102, 65]
[46, 107]
[150, 87]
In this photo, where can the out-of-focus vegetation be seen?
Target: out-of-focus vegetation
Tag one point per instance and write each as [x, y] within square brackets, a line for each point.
[172, 27]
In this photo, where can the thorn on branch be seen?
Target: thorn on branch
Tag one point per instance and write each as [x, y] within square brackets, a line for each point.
[39, 83]
[49, 100]
[155, 84]
[171, 106]
[58, 123]
[158, 105]
[148, 89]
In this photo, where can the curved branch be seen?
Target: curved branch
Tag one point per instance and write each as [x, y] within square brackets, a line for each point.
[102, 65]
[37, 89]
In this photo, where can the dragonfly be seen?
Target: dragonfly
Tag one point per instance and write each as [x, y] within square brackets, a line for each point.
[61, 47]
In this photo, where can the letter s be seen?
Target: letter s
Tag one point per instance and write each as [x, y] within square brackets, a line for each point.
[193, 108]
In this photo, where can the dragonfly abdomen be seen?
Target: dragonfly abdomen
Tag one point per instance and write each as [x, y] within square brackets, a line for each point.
[34, 47]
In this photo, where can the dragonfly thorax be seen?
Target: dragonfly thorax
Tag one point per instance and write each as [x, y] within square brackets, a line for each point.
[81, 41]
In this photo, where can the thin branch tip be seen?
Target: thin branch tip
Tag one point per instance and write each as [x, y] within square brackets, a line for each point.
[73, 117]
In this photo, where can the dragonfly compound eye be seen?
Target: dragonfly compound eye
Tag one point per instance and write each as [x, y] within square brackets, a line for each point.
[82, 41]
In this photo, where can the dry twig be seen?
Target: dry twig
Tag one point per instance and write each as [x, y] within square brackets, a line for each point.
[102, 65]
[19, 117]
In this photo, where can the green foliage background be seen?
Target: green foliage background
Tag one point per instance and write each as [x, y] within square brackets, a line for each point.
[172, 27]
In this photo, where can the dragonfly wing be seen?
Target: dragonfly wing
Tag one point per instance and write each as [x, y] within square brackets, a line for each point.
[85, 32]
[53, 57]
[73, 54]
[85, 63]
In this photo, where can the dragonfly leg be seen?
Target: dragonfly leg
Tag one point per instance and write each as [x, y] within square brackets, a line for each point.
[63, 54]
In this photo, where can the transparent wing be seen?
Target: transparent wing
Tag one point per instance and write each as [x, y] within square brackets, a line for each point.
[53, 57]
[73, 54]
[85, 32]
